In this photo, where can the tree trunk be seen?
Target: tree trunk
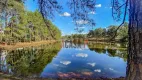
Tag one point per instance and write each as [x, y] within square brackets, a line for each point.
[134, 65]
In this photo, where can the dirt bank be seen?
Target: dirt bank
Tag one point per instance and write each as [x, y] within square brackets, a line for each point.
[26, 44]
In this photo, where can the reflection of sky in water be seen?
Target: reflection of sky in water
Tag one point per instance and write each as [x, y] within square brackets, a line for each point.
[3, 63]
[83, 55]
[65, 62]
[81, 62]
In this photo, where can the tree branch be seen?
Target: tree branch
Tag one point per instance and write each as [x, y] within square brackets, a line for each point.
[45, 21]
[124, 18]
[121, 6]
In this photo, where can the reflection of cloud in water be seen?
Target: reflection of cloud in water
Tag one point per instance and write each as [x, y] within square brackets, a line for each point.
[87, 73]
[65, 62]
[82, 55]
[97, 70]
[63, 74]
[111, 69]
[69, 74]
[91, 64]
[55, 65]
[80, 49]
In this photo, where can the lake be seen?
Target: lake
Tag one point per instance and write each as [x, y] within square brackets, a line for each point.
[66, 60]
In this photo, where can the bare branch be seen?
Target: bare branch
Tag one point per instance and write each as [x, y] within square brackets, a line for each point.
[80, 9]
[121, 6]
[47, 8]
[124, 18]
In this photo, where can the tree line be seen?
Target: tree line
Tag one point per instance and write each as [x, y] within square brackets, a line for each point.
[103, 34]
[21, 25]
[109, 32]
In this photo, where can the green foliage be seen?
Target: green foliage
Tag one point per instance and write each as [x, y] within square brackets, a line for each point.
[112, 49]
[98, 33]
[78, 35]
[25, 25]
[122, 33]
[75, 36]
[111, 31]
[103, 34]
[27, 61]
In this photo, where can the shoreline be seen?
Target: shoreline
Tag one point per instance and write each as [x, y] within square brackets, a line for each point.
[10, 77]
[26, 44]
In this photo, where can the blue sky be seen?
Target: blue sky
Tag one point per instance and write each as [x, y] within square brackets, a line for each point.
[102, 16]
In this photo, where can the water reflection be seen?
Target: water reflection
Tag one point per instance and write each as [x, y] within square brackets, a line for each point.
[28, 62]
[87, 60]
[113, 50]
[4, 67]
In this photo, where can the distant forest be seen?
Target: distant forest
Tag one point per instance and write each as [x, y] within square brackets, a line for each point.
[103, 33]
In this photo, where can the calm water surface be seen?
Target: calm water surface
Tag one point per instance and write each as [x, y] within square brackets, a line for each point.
[65, 60]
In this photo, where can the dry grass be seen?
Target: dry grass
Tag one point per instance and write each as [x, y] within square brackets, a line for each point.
[26, 44]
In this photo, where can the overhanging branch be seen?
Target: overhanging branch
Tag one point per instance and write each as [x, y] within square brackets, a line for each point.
[124, 18]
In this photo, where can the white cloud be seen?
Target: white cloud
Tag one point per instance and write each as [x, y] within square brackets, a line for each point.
[82, 22]
[111, 69]
[92, 12]
[98, 5]
[97, 70]
[56, 65]
[108, 7]
[66, 14]
[82, 55]
[91, 64]
[65, 62]
[79, 49]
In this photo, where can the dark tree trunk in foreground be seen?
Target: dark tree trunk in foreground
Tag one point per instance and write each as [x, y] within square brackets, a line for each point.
[134, 67]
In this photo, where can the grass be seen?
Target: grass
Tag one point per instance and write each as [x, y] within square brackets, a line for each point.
[25, 44]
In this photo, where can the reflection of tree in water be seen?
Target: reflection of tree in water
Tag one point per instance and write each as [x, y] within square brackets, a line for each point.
[111, 52]
[31, 61]
[73, 44]
[118, 53]
[3, 64]
[98, 50]
[111, 49]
